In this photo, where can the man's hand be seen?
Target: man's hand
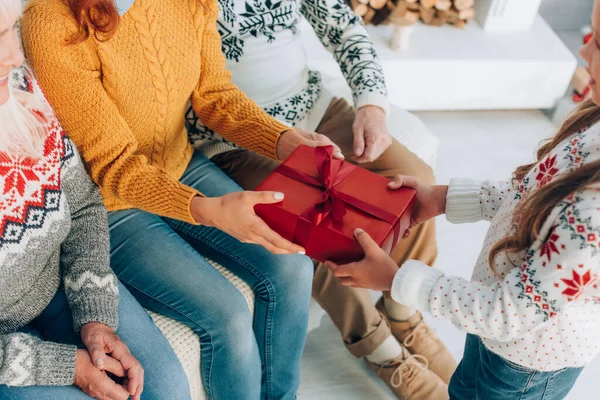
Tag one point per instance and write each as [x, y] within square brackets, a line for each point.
[376, 271]
[371, 136]
[94, 382]
[291, 139]
[101, 340]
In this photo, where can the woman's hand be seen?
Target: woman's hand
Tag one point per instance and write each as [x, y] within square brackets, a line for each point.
[291, 139]
[376, 271]
[430, 201]
[371, 136]
[234, 214]
[100, 340]
[94, 382]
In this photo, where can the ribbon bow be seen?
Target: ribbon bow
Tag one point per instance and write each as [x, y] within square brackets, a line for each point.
[331, 172]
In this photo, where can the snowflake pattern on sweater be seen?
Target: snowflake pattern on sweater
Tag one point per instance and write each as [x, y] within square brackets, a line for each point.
[53, 230]
[542, 309]
[265, 23]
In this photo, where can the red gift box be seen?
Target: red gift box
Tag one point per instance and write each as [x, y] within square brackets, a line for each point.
[327, 199]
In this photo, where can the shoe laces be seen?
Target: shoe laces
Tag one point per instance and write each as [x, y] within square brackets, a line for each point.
[404, 366]
[421, 330]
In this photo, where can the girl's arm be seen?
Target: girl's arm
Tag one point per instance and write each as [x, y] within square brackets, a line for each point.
[554, 274]
[224, 108]
[28, 361]
[470, 200]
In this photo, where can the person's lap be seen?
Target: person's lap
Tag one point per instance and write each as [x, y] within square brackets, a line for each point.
[351, 309]
[164, 376]
[164, 264]
[484, 375]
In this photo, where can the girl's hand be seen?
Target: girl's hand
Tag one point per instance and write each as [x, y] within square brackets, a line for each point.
[376, 271]
[234, 214]
[430, 201]
[291, 139]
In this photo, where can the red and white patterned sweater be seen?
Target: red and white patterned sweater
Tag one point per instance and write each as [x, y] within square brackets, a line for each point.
[543, 311]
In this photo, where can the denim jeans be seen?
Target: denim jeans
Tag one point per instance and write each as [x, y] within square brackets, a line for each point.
[164, 264]
[484, 375]
[164, 377]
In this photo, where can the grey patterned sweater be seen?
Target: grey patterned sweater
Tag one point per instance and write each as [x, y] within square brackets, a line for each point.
[53, 231]
[261, 40]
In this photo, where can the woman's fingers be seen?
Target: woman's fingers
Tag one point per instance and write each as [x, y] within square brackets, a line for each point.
[114, 367]
[271, 240]
[266, 197]
[109, 390]
[322, 140]
[95, 346]
[135, 372]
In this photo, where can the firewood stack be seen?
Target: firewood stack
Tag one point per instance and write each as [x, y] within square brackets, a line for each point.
[404, 13]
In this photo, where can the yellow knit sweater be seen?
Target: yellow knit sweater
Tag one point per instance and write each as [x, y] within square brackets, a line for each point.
[122, 101]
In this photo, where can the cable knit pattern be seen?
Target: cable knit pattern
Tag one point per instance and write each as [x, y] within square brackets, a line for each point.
[53, 228]
[123, 100]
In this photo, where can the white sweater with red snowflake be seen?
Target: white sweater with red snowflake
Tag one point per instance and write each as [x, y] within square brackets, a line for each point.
[543, 311]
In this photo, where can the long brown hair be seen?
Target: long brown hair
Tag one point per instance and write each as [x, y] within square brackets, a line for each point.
[531, 213]
[99, 16]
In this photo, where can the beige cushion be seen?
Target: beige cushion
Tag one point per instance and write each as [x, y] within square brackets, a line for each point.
[187, 345]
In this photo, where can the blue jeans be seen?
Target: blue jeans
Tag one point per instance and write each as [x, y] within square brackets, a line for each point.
[164, 264]
[484, 375]
[164, 377]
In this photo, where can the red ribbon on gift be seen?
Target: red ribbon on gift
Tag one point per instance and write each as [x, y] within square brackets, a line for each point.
[331, 172]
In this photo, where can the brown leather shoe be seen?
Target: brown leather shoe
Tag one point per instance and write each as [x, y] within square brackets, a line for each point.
[420, 339]
[409, 378]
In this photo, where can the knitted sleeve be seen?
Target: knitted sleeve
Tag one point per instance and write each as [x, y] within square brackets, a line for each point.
[224, 108]
[90, 285]
[28, 361]
[470, 200]
[560, 269]
[344, 35]
[71, 78]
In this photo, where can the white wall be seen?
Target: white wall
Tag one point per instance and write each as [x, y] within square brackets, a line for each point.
[567, 14]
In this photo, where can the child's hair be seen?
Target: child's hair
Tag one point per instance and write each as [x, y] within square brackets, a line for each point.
[100, 16]
[532, 212]
[23, 129]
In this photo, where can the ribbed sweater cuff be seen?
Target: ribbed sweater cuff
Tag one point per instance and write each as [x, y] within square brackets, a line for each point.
[54, 364]
[181, 198]
[96, 309]
[413, 284]
[373, 99]
[463, 201]
[270, 138]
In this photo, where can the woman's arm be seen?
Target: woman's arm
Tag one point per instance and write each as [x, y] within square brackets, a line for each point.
[71, 78]
[90, 285]
[224, 108]
[561, 270]
[28, 361]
